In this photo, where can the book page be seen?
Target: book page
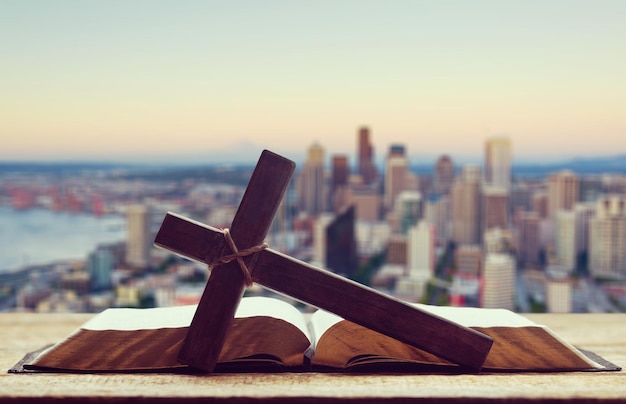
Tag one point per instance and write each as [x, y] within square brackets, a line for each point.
[519, 344]
[321, 321]
[124, 319]
[264, 329]
[499, 320]
[273, 307]
[466, 316]
[478, 317]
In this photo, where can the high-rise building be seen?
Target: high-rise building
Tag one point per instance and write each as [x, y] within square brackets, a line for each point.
[471, 172]
[465, 196]
[408, 210]
[584, 213]
[469, 260]
[138, 232]
[437, 213]
[559, 296]
[340, 171]
[341, 249]
[366, 201]
[421, 251]
[539, 203]
[498, 162]
[444, 175]
[607, 238]
[320, 239]
[565, 239]
[372, 238]
[529, 245]
[397, 250]
[520, 197]
[498, 241]
[99, 265]
[498, 280]
[590, 188]
[365, 151]
[312, 181]
[465, 288]
[339, 191]
[562, 192]
[396, 171]
[495, 208]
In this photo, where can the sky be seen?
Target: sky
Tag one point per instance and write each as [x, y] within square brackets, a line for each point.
[116, 80]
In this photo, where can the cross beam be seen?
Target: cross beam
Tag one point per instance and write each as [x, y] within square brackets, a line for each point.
[303, 282]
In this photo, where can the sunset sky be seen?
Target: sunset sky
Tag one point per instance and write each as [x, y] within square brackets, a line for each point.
[115, 80]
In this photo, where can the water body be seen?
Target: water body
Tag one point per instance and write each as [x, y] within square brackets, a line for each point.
[39, 236]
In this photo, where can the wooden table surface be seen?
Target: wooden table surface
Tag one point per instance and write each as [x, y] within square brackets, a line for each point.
[605, 334]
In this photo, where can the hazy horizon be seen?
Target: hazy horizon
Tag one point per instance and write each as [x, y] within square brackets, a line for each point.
[153, 80]
[248, 154]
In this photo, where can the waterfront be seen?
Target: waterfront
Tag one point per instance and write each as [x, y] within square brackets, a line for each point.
[38, 236]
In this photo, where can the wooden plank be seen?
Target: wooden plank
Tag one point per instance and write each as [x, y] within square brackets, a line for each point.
[371, 309]
[190, 239]
[24, 332]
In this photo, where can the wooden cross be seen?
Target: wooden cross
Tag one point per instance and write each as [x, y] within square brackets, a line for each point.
[288, 276]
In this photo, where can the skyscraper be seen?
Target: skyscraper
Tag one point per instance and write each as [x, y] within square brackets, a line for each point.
[607, 238]
[366, 167]
[495, 208]
[340, 173]
[366, 201]
[469, 260]
[584, 213]
[465, 195]
[558, 292]
[498, 281]
[562, 192]
[497, 241]
[498, 162]
[408, 210]
[520, 197]
[565, 235]
[437, 213]
[341, 250]
[139, 240]
[421, 251]
[529, 239]
[590, 188]
[311, 184]
[444, 175]
[396, 170]
[539, 203]
[100, 266]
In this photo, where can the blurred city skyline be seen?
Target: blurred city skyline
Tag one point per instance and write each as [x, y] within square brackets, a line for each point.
[159, 81]
[472, 234]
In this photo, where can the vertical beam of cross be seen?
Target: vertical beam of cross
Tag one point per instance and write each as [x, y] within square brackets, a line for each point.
[226, 283]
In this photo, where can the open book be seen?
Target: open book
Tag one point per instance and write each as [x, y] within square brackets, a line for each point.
[269, 334]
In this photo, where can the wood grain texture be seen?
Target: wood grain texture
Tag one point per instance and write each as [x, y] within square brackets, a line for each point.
[251, 343]
[333, 293]
[189, 239]
[371, 309]
[601, 333]
[306, 283]
[225, 286]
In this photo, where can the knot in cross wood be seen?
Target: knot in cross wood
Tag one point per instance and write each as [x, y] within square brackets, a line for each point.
[238, 255]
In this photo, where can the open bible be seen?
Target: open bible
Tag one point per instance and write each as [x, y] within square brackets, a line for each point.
[269, 334]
